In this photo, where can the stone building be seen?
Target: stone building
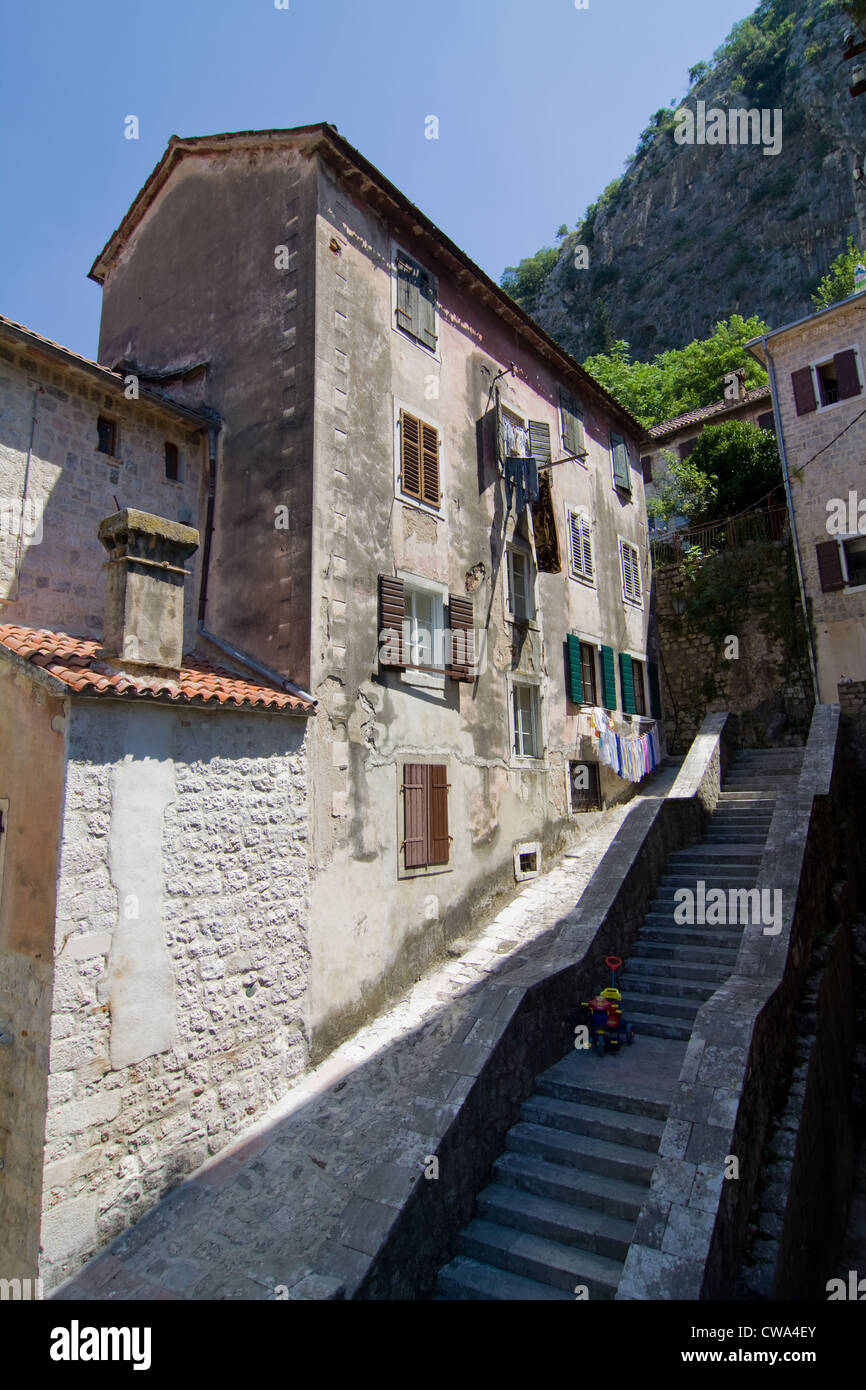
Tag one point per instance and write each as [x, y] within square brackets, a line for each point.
[681, 433]
[377, 393]
[154, 952]
[817, 372]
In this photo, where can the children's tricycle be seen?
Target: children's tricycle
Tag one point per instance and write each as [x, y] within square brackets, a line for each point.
[608, 1021]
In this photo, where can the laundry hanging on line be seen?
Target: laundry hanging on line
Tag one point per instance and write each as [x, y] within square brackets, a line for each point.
[631, 757]
[521, 482]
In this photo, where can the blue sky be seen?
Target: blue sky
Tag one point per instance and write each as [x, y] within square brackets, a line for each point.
[538, 103]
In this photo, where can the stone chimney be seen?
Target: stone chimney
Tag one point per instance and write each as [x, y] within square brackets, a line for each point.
[734, 385]
[144, 594]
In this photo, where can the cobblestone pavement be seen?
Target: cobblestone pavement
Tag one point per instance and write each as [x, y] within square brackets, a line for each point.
[254, 1216]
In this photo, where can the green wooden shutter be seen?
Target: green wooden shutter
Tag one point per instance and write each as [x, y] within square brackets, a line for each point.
[408, 305]
[426, 330]
[654, 689]
[620, 463]
[626, 675]
[575, 674]
[539, 441]
[608, 678]
[571, 412]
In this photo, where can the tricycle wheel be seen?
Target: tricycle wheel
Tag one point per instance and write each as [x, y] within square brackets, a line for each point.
[600, 1045]
[630, 1034]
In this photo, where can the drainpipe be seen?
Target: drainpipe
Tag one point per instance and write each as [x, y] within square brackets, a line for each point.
[243, 660]
[813, 664]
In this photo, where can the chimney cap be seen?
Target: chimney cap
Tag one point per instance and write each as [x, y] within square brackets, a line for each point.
[130, 520]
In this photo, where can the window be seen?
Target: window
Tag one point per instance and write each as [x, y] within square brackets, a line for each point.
[838, 378]
[855, 560]
[687, 448]
[520, 573]
[106, 431]
[646, 468]
[172, 463]
[425, 623]
[426, 842]
[581, 670]
[619, 456]
[767, 421]
[525, 715]
[419, 460]
[631, 580]
[587, 671]
[580, 547]
[583, 787]
[527, 860]
[638, 677]
[415, 311]
[414, 632]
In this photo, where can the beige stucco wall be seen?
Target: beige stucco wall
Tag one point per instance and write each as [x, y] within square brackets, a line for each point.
[837, 618]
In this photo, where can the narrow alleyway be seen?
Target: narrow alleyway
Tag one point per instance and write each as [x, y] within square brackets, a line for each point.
[254, 1217]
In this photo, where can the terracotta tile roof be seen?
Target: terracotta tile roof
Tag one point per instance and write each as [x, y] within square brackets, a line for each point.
[82, 665]
[694, 417]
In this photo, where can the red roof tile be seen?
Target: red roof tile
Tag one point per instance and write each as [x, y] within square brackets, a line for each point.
[694, 417]
[81, 663]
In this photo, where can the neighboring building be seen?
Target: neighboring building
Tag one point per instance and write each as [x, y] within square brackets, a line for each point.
[818, 378]
[154, 948]
[680, 434]
[376, 388]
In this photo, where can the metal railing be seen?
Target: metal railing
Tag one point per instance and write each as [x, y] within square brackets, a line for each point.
[713, 536]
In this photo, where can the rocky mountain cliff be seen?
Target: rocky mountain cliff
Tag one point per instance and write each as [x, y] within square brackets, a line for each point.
[693, 233]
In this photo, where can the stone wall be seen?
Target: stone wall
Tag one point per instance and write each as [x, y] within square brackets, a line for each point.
[181, 960]
[767, 683]
[852, 701]
[60, 581]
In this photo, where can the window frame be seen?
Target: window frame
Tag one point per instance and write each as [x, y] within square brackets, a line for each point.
[114, 452]
[581, 514]
[422, 870]
[178, 477]
[530, 619]
[593, 648]
[398, 250]
[411, 673]
[633, 603]
[517, 680]
[826, 361]
[408, 500]
[842, 542]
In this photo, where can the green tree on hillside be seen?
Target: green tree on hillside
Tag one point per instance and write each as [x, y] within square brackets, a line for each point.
[683, 378]
[524, 281]
[838, 283]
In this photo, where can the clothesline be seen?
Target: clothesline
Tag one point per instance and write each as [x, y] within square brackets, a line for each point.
[631, 757]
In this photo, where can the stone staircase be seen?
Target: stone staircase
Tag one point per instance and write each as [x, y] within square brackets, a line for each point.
[559, 1212]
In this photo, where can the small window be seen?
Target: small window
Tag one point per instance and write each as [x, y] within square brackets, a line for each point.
[619, 456]
[855, 560]
[588, 673]
[416, 300]
[583, 787]
[426, 841]
[580, 547]
[106, 431]
[646, 468]
[767, 421]
[172, 463]
[828, 385]
[521, 584]
[631, 580]
[527, 860]
[425, 633]
[525, 720]
[639, 679]
[419, 460]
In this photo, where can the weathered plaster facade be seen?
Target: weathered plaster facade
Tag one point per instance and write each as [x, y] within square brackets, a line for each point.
[309, 372]
[824, 449]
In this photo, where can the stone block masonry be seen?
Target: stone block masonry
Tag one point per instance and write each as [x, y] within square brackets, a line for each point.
[205, 922]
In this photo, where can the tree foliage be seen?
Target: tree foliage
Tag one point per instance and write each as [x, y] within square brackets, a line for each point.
[525, 281]
[743, 464]
[684, 491]
[683, 378]
[838, 283]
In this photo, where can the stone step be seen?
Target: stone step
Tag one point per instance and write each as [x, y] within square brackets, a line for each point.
[735, 837]
[471, 1279]
[654, 1026]
[652, 968]
[534, 1257]
[581, 1151]
[746, 798]
[670, 1005]
[558, 1221]
[639, 1131]
[702, 858]
[560, 1086]
[639, 985]
[686, 955]
[660, 927]
[594, 1190]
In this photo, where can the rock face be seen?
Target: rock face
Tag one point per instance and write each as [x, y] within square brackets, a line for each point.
[696, 232]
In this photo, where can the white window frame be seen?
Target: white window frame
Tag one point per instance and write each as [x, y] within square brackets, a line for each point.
[633, 603]
[414, 583]
[400, 495]
[581, 514]
[434, 353]
[816, 380]
[527, 760]
[843, 555]
[530, 618]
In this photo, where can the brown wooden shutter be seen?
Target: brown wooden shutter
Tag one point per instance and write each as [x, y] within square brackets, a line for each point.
[430, 465]
[392, 612]
[846, 374]
[440, 840]
[804, 390]
[830, 566]
[646, 466]
[687, 448]
[410, 454]
[415, 814]
[461, 622]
